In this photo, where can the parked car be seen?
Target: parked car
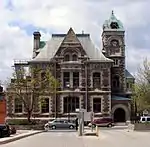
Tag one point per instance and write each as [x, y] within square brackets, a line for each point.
[103, 122]
[61, 124]
[4, 130]
[145, 119]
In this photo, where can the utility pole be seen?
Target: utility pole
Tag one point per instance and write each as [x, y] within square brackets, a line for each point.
[81, 122]
[55, 92]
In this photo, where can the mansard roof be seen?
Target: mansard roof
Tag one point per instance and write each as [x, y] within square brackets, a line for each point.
[52, 46]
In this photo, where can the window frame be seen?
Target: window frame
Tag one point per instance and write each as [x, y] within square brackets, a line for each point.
[17, 104]
[66, 79]
[76, 78]
[70, 107]
[68, 58]
[95, 85]
[45, 108]
[98, 104]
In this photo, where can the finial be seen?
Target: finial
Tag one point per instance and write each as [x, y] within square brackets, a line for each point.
[112, 12]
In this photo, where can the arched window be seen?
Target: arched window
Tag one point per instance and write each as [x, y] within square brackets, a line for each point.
[67, 57]
[96, 80]
[116, 82]
[74, 57]
[114, 25]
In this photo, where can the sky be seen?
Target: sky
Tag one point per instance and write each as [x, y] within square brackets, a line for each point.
[20, 18]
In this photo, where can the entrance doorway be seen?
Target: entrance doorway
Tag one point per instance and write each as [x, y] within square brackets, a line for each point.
[119, 115]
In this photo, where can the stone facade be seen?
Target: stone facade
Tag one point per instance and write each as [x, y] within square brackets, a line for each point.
[94, 76]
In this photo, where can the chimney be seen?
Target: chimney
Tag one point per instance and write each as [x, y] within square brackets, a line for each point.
[36, 44]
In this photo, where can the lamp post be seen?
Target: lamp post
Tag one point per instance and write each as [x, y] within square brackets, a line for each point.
[68, 106]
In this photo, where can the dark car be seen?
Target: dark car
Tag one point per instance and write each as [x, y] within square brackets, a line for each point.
[4, 130]
[103, 122]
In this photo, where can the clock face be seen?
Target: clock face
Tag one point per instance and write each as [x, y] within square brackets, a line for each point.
[115, 47]
[114, 43]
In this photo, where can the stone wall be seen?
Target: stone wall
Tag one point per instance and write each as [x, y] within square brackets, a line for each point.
[142, 126]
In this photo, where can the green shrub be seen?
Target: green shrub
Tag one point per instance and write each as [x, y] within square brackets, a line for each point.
[20, 122]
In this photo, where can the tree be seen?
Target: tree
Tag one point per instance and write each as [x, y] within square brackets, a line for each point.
[142, 87]
[28, 86]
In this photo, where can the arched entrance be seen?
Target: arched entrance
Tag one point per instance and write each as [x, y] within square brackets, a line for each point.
[119, 115]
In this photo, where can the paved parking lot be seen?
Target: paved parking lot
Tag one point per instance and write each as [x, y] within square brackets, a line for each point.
[116, 137]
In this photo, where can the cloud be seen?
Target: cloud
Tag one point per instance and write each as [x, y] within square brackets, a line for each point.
[20, 18]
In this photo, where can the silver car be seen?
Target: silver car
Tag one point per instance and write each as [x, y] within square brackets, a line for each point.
[61, 124]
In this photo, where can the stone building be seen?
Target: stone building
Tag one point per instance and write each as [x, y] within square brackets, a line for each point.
[92, 79]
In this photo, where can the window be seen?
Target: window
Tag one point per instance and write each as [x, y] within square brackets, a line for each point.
[116, 82]
[96, 80]
[71, 104]
[116, 62]
[148, 119]
[45, 105]
[66, 79]
[143, 119]
[114, 25]
[75, 79]
[74, 57]
[127, 85]
[18, 106]
[67, 57]
[96, 105]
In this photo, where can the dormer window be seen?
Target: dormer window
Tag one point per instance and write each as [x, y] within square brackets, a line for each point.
[114, 25]
[67, 57]
[74, 57]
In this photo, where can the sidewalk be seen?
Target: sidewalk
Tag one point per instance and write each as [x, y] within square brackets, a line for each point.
[19, 135]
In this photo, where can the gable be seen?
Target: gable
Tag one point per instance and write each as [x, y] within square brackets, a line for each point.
[71, 37]
[71, 44]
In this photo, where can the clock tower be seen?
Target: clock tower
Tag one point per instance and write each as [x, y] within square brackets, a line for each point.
[114, 48]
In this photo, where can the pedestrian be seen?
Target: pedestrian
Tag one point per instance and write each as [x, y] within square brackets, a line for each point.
[77, 124]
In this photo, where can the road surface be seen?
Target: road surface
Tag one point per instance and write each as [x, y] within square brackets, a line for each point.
[107, 138]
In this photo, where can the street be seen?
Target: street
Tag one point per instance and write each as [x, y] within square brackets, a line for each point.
[116, 137]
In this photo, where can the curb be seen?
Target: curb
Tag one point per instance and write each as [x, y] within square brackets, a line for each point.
[19, 137]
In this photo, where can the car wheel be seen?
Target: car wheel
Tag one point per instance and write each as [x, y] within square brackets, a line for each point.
[8, 134]
[109, 125]
[71, 127]
[53, 127]
[93, 125]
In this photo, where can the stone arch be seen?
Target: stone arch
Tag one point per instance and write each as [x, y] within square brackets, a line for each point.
[124, 108]
[68, 50]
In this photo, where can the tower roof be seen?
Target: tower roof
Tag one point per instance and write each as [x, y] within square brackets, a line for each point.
[113, 19]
